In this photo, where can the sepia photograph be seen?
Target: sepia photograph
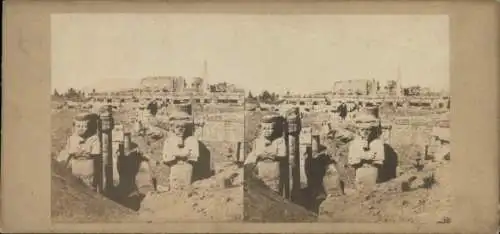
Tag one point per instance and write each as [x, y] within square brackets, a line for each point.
[141, 130]
[350, 122]
[250, 118]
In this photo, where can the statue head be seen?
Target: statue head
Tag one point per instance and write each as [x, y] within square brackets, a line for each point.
[85, 124]
[271, 126]
[179, 123]
[368, 124]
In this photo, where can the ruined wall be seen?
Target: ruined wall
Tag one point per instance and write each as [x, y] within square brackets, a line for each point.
[221, 134]
[352, 86]
[223, 131]
[170, 83]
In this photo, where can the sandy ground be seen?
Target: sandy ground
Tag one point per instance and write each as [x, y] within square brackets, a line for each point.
[72, 201]
[217, 199]
[387, 202]
[263, 205]
[214, 199]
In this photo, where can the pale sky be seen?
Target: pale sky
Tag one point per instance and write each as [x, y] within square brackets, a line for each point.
[300, 53]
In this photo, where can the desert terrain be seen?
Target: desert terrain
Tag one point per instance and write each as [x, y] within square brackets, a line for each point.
[226, 197]
[217, 198]
[420, 193]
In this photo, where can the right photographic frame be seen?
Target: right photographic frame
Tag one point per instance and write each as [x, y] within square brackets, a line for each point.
[347, 120]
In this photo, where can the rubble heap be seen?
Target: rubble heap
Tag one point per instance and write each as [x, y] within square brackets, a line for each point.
[264, 205]
[218, 198]
[75, 202]
[417, 197]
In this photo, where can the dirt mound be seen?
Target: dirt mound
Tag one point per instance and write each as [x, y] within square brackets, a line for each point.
[389, 203]
[264, 205]
[218, 198]
[72, 201]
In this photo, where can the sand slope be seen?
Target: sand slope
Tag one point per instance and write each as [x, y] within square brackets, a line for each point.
[73, 202]
[264, 205]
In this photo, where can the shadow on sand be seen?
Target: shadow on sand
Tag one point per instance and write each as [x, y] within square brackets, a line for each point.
[315, 193]
[203, 169]
[135, 172]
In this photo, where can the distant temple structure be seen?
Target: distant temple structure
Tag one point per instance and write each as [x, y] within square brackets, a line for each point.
[176, 90]
[353, 87]
[166, 83]
[370, 92]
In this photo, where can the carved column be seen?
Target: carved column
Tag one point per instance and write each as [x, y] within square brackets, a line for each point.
[199, 124]
[107, 124]
[98, 162]
[284, 167]
[294, 127]
[314, 149]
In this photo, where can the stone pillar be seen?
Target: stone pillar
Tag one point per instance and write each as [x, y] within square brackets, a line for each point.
[107, 124]
[199, 124]
[118, 138]
[294, 126]
[98, 162]
[284, 166]
[386, 132]
[242, 150]
[310, 150]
